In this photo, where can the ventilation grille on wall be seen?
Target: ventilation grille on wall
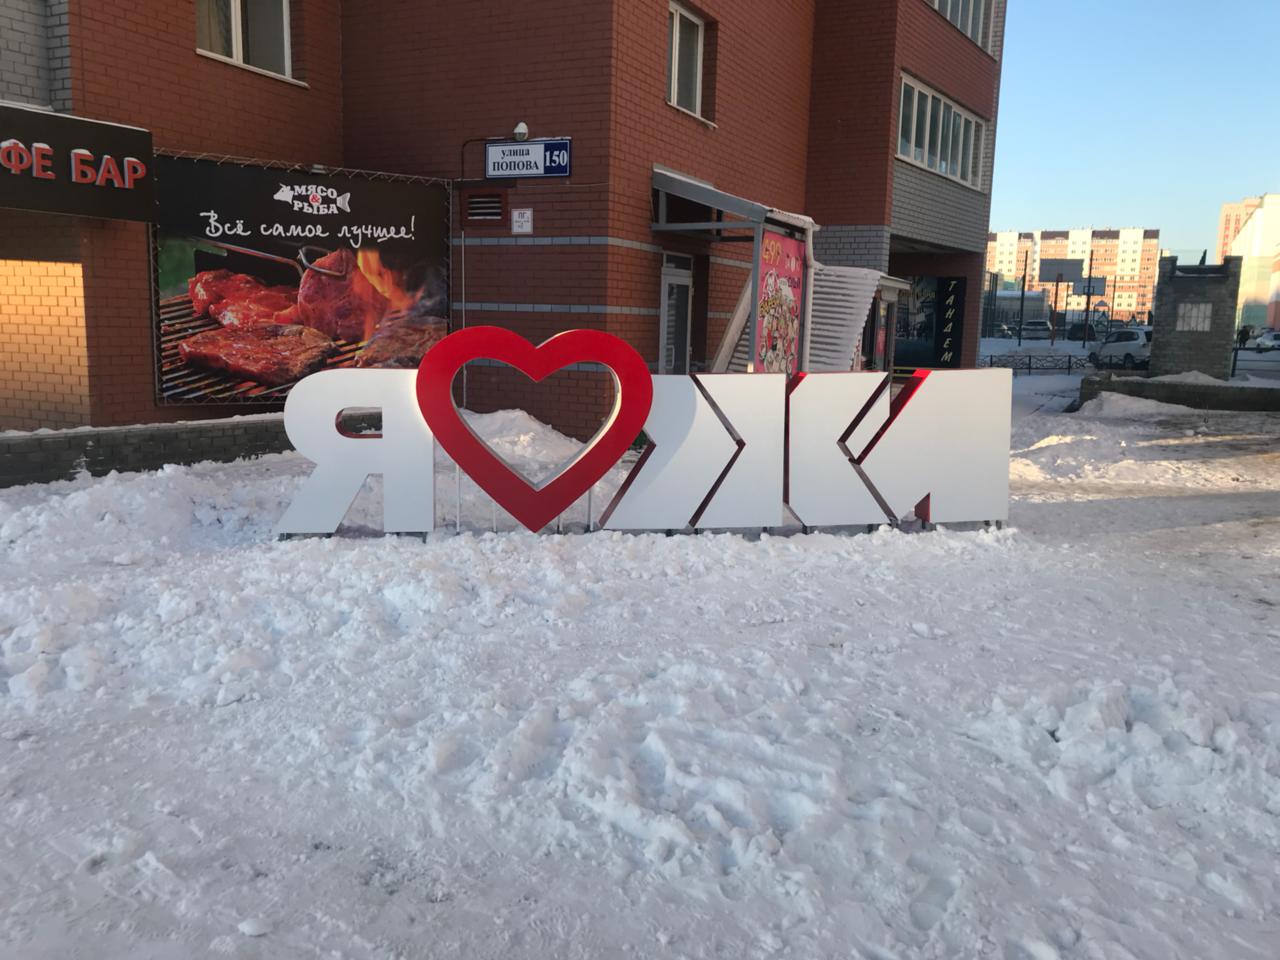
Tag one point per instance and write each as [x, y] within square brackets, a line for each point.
[484, 206]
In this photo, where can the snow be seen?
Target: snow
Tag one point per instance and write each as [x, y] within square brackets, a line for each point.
[1056, 740]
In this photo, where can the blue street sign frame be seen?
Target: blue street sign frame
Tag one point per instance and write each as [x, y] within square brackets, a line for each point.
[557, 158]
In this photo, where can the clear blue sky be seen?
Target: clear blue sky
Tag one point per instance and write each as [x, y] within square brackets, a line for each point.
[1137, 113]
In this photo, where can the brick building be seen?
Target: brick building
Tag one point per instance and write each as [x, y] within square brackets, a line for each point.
[1127, 259]
[1231, 218]
[875, 119]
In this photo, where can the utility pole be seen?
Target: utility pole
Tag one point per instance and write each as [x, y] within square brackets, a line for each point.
[1088, 298]
[1022, 298]
[1053, 325]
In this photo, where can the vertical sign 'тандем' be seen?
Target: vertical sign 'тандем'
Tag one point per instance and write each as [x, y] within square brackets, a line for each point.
[950, 313]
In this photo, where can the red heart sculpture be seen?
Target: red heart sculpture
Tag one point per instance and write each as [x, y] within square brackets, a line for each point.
[535, 507]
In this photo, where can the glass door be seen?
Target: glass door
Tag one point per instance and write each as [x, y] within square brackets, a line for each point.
[677, 306]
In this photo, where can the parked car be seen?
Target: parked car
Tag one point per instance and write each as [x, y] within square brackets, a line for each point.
[1076, 331]
[1129, 348]
[1035, 330]
[1270, 340]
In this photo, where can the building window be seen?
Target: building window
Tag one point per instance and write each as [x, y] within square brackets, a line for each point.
[684, 59]
[1196, 317]
[939, 135]
[251, 32]
[971, 17]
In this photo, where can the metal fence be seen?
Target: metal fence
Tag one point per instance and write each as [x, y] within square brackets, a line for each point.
[1252, 362]
[1037, 363]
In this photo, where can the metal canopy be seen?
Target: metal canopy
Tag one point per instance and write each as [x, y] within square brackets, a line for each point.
[714, 214]
[719, 205]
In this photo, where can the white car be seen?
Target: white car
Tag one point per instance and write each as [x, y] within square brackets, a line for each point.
[1035, 330]
[1128, 348]
[1267, 341]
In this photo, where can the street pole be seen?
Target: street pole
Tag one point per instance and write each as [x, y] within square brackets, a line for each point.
[1088, 299]
[1022, 298]
[1053, 311]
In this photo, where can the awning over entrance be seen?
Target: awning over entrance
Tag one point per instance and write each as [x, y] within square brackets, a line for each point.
[688, 205]
[696, 209]
[836, 299]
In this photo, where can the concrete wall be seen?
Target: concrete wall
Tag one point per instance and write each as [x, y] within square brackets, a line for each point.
[929, 207]
[853, 246]
[1179, 351]
[1198, 395]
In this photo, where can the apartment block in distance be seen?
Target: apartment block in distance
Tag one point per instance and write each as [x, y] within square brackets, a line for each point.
[1128, 259]
[1257, 244]
[865, 128]
[1231, 218]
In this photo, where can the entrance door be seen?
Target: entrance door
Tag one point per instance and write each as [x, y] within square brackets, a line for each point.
[677, 307]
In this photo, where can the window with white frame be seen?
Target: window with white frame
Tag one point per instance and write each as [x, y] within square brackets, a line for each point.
[1196, 317]
[251, 32]
[971, 17]
[938, 134]
[685, 33]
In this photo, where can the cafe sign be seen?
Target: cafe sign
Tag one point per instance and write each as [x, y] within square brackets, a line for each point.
[56, 163]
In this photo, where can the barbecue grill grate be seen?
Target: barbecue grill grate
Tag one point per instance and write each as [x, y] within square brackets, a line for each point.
[182, 383]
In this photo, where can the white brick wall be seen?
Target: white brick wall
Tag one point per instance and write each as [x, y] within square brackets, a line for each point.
[35, 60]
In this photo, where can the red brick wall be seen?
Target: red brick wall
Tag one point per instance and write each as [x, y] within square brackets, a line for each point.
[139, 65]
[930, 47]
[854, 117]
[758, 145]
[43, 362]
[861, 48]
[136, 63]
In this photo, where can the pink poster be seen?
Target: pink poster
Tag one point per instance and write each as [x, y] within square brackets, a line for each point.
[781, 304]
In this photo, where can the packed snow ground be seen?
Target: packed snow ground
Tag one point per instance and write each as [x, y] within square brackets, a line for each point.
[1059, 740]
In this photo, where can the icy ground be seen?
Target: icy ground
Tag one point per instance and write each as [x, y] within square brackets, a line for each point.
[1061, 740]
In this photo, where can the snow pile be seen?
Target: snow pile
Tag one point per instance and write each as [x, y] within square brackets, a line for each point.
[1058, 740]
[1121, 406]
[1112, 745]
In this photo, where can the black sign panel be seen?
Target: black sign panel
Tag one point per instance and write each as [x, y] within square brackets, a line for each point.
[279, 211]
[265, 275]
[61, 164]
[950, 321]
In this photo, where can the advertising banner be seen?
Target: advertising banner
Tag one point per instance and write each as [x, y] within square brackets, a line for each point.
[781, 304]
[61, 164]
[266, 275]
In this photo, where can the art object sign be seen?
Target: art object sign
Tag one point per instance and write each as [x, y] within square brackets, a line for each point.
[725, 451]
[780, 304]
[504, 159]
[266, 275]
[61, 164]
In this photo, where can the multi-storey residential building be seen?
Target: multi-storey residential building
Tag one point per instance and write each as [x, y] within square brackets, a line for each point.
[1257, 244]
[1230, 220]
[874, 121]
[1127, 259]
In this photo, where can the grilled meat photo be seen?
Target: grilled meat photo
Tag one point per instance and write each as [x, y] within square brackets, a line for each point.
[272, 354]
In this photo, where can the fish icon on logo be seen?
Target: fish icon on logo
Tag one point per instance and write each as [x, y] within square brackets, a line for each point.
[313, 199]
